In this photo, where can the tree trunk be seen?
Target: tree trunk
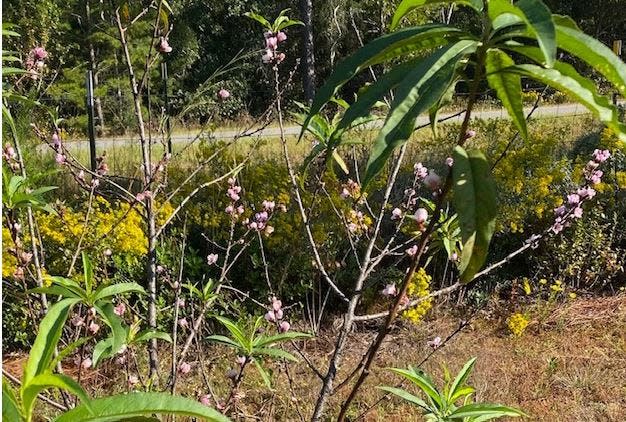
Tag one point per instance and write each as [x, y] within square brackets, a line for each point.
[308, 62]
[93, 65]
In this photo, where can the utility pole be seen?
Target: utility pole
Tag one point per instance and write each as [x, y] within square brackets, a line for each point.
[90, 120]
[166, 107]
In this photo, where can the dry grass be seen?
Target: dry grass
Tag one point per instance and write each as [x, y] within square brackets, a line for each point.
[568, 366]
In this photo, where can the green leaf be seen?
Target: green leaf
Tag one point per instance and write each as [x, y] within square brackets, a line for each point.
[421, 380]
[224, 340]
[123, 407]
[55, 290]
[592, 52]
[101, 350]
[263, 341]
[565, 78]
[10, 407]
[67, 351]
[538, 19]
[421, 88]
[263, 372]
[260, 19]
[475, 203]
[118, 332]
[369, 97]
[50, 330]
[460, 392]
[483, 410]
[148, 335]
[407, 6]
[237, 333]
[445, 99]
[88, 272]
[508, 87]
[386, 47]
[405, 395]
[118, 289]
[459, 381]
[44, 381]
[274, 353]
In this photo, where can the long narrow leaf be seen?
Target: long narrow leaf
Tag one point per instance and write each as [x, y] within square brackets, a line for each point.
[475, 202]
[421, 88]
[127, 406]
[50, 330]
[508, 86]
[407, 6]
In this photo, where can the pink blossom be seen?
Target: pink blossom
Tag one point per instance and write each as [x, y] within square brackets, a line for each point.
[270, 316]
[120, 360]
[601, 155]
[280, 57]
[253, 225]
[86, 363]
[205, 399]
[432, 181]
[241, 360]
[421, 215]
[268, 34]
[183, 323]
[93, 327]
[108, 252]
[77, 321]
[345, 193]
[412, 250]
[184, 368]
[271, 43]
[454, 257]
[592, 165]
[17, 227]
[557, 227]
[573, 199]
[59, 158]
[268, 56]
[231, 181]
[596, 177]
[434, 343]
[396, 214]
[578, 212]
[212, 258]
[420, 171]
[390, 290]
[560, 211]
[470, 134]
[81, 175]
[229, 209]
[449, 161]
[269, 205]
[284, 326]
[164, 46]
[120, 309]
[140, 196]
[586, 192]
[160, 269]
[223, 94]
[281, 36]
[352, 227]
[180, 302]
[133, 380]
[277, 304]
[39, 53]
[240, 209]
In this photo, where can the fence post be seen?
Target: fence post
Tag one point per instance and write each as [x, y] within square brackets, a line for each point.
[166, 106]
[90, 120]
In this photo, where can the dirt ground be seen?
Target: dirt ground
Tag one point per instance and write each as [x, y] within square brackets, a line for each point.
[569, 365]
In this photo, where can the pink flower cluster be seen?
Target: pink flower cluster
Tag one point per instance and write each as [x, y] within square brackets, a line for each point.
[259, 221]
[430, 179]
[164, 46]
[572, 208]
[271, 54]
[275, 314]
[35, 61]
[10, 156]
[350, 189]
[233, 193]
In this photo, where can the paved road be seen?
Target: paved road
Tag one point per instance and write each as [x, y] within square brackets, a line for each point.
[182, 138]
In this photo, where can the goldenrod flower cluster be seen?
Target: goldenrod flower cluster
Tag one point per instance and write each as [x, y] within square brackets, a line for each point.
[419, 286]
